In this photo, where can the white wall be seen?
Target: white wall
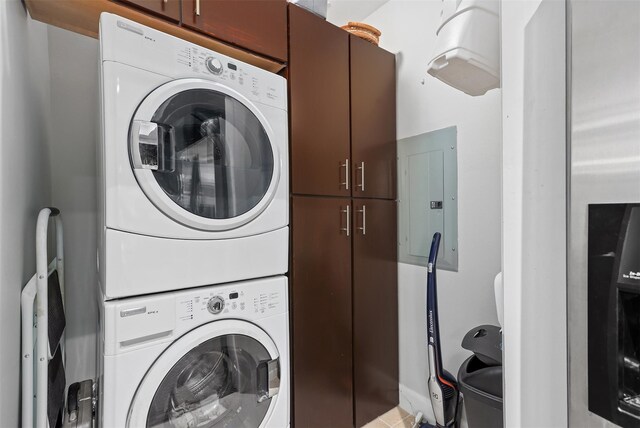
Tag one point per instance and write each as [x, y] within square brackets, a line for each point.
[74, 61]
[25, 185]
[342, 11]
[48, 120]
[534, 215]
[466, 298]
[605, 153]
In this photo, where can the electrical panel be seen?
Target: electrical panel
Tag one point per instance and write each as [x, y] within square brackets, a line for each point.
[427, 164]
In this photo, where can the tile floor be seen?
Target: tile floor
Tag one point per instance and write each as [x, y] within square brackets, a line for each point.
[395, 418]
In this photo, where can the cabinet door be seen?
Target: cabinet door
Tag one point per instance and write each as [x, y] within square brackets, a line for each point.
[375, 308]
[319, 105]
[257, 25]
[165, 8]
[373, 120]
[321, 313]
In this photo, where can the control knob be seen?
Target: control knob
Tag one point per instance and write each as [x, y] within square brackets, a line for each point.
[213, 65]
[215, 305]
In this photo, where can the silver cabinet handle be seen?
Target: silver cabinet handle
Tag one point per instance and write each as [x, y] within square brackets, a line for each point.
[347, 212]
[361, 169]
[197, 7]
[345, 165]
[363, 228]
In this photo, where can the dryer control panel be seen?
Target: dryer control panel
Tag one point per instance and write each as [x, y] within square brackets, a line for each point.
[143, 321]
[245, 300]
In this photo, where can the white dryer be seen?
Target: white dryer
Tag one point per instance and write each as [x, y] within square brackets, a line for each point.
[206, 357]
[193, 165]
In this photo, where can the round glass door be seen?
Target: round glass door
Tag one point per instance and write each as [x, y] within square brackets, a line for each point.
[214, 385]
[216, 376]
[202, 154]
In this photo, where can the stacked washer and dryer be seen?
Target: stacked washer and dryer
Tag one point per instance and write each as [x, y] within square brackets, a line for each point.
[193, 236]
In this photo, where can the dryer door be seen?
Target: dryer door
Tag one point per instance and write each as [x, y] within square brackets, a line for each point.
[204, 154]
[222, 374]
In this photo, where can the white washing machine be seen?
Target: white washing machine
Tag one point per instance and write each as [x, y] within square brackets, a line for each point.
[193, 165]
[206, 357]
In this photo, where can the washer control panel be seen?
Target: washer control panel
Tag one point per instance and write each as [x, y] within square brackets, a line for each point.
[250, 300]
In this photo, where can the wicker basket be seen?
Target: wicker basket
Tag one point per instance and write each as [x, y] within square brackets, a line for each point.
[364, 31]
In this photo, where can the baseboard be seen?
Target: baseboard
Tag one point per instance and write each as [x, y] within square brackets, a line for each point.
[414, 402]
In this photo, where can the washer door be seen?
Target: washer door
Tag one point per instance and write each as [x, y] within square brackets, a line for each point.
[204, 154]
[223, 374]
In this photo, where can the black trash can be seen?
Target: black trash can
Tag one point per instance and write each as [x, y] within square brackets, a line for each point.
[480, 377]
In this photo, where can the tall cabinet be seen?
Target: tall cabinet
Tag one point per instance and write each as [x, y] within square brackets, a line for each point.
[344, 223]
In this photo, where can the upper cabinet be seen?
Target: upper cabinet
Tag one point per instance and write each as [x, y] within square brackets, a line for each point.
[342, 110]
[165, 8]
[373, 120]
[83, 17]
[258, 25]
[319, 105]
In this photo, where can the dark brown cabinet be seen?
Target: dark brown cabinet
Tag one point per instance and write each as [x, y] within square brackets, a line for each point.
[373, 124]
[164, 8]
[342, 111]
[257, 25]
[375, 308]
[321, 312]
[319, 105]
[344, 310]
[344, 289]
